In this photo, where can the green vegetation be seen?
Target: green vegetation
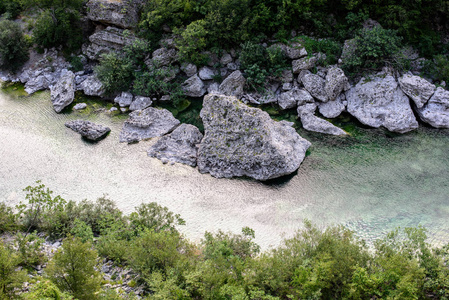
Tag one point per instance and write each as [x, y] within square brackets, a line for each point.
[314, 264]
[13, 46]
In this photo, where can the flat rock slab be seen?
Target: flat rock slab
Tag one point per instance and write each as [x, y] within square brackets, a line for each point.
[244, 141]
[147, 123]
[380, 102]
[436, 111]
[179, 146]
[89, 130]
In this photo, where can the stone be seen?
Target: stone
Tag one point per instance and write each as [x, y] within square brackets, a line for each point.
[107, 40]
[333, 109]
[194, 87]
[92, 86]
[313, 123]
[113, 109]
[315, 85]
[244, 141]
[336, 81]
[436, 111]
[164, 57]
[89, 130]
[304, 63]
[206, 73]
[295, 50]
[417, 88]
[233, 66]
[380, 102]
[124, 99]
[189, 69]
[225, 59]
[147, 123]
[80, 106]
[306, 109]
[124, 13]
[140, 102]
[294, 97]
[63, 92]
[233, 84]
[287, 76]
[213, 87]
[180, 146]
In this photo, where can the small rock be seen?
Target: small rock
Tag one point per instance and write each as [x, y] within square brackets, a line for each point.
[194, 87]
[124, 99]
[417, 88]
[305, 63]
[189, 69]
[333, 109]
[335, 82]
[233, 85]
[315, 85]
[436, 111]
[225, 59]
[80, 106]
[206, 73]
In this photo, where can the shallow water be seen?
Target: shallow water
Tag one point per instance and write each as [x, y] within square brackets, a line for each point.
[371, 181]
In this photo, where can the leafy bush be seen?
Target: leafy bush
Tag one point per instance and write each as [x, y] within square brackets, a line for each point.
[8, 219]
[261, 64]
[151, 216]
[45, 289]
[438, 68]
[83, 231]
[329, 47]
[191, 41]
[115, 72]
[10, 277]
[374, 48]
[58, 27]
[72, 269]
[30, 249]
[13, 46]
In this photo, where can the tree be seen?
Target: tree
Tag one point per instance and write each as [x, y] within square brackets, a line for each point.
[73, 269]
[13, 46]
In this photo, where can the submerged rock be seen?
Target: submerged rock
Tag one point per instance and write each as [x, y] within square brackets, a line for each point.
[380, 102]
[436, 111]
[244, 141]
[63, 92]
[417, 88]
[179, 146]
[147, 123]
[89, 130]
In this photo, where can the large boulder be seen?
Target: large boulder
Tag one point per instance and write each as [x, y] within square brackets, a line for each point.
[147, 123]
[92, 86]
[89, 130]
[417, 88]
[436, 111]
[380, 102]
[107, 40]
[315, 85]
[244, 141]
[123, 13]
[336, 81]
[233, 85]
[63, 92]
[179, 146]
[194, 87]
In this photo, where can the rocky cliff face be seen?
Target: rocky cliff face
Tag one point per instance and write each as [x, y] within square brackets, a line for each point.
[120, 13]
[244, 141]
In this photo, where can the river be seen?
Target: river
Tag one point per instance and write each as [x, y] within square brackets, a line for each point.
[371, 182]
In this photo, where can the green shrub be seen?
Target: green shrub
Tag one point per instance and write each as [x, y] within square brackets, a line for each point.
[115, 72]
[83, 231]
[10, 278]
[72, 269]
[191, 41]
[13, 46]
[30, 249]
[8, 219]
[151, 216]
[58, 26]
[329, 47]
[374, 48]
[438, 68]
[45, 290]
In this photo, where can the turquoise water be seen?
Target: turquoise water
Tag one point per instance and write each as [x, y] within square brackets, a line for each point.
[371, 181]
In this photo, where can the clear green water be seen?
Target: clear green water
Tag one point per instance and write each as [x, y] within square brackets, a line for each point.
[371, 181]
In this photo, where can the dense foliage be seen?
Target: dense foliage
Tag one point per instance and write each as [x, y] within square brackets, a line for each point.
[13, 46]
[314, 264]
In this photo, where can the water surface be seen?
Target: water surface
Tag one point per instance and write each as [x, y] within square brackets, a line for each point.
[371, 181]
